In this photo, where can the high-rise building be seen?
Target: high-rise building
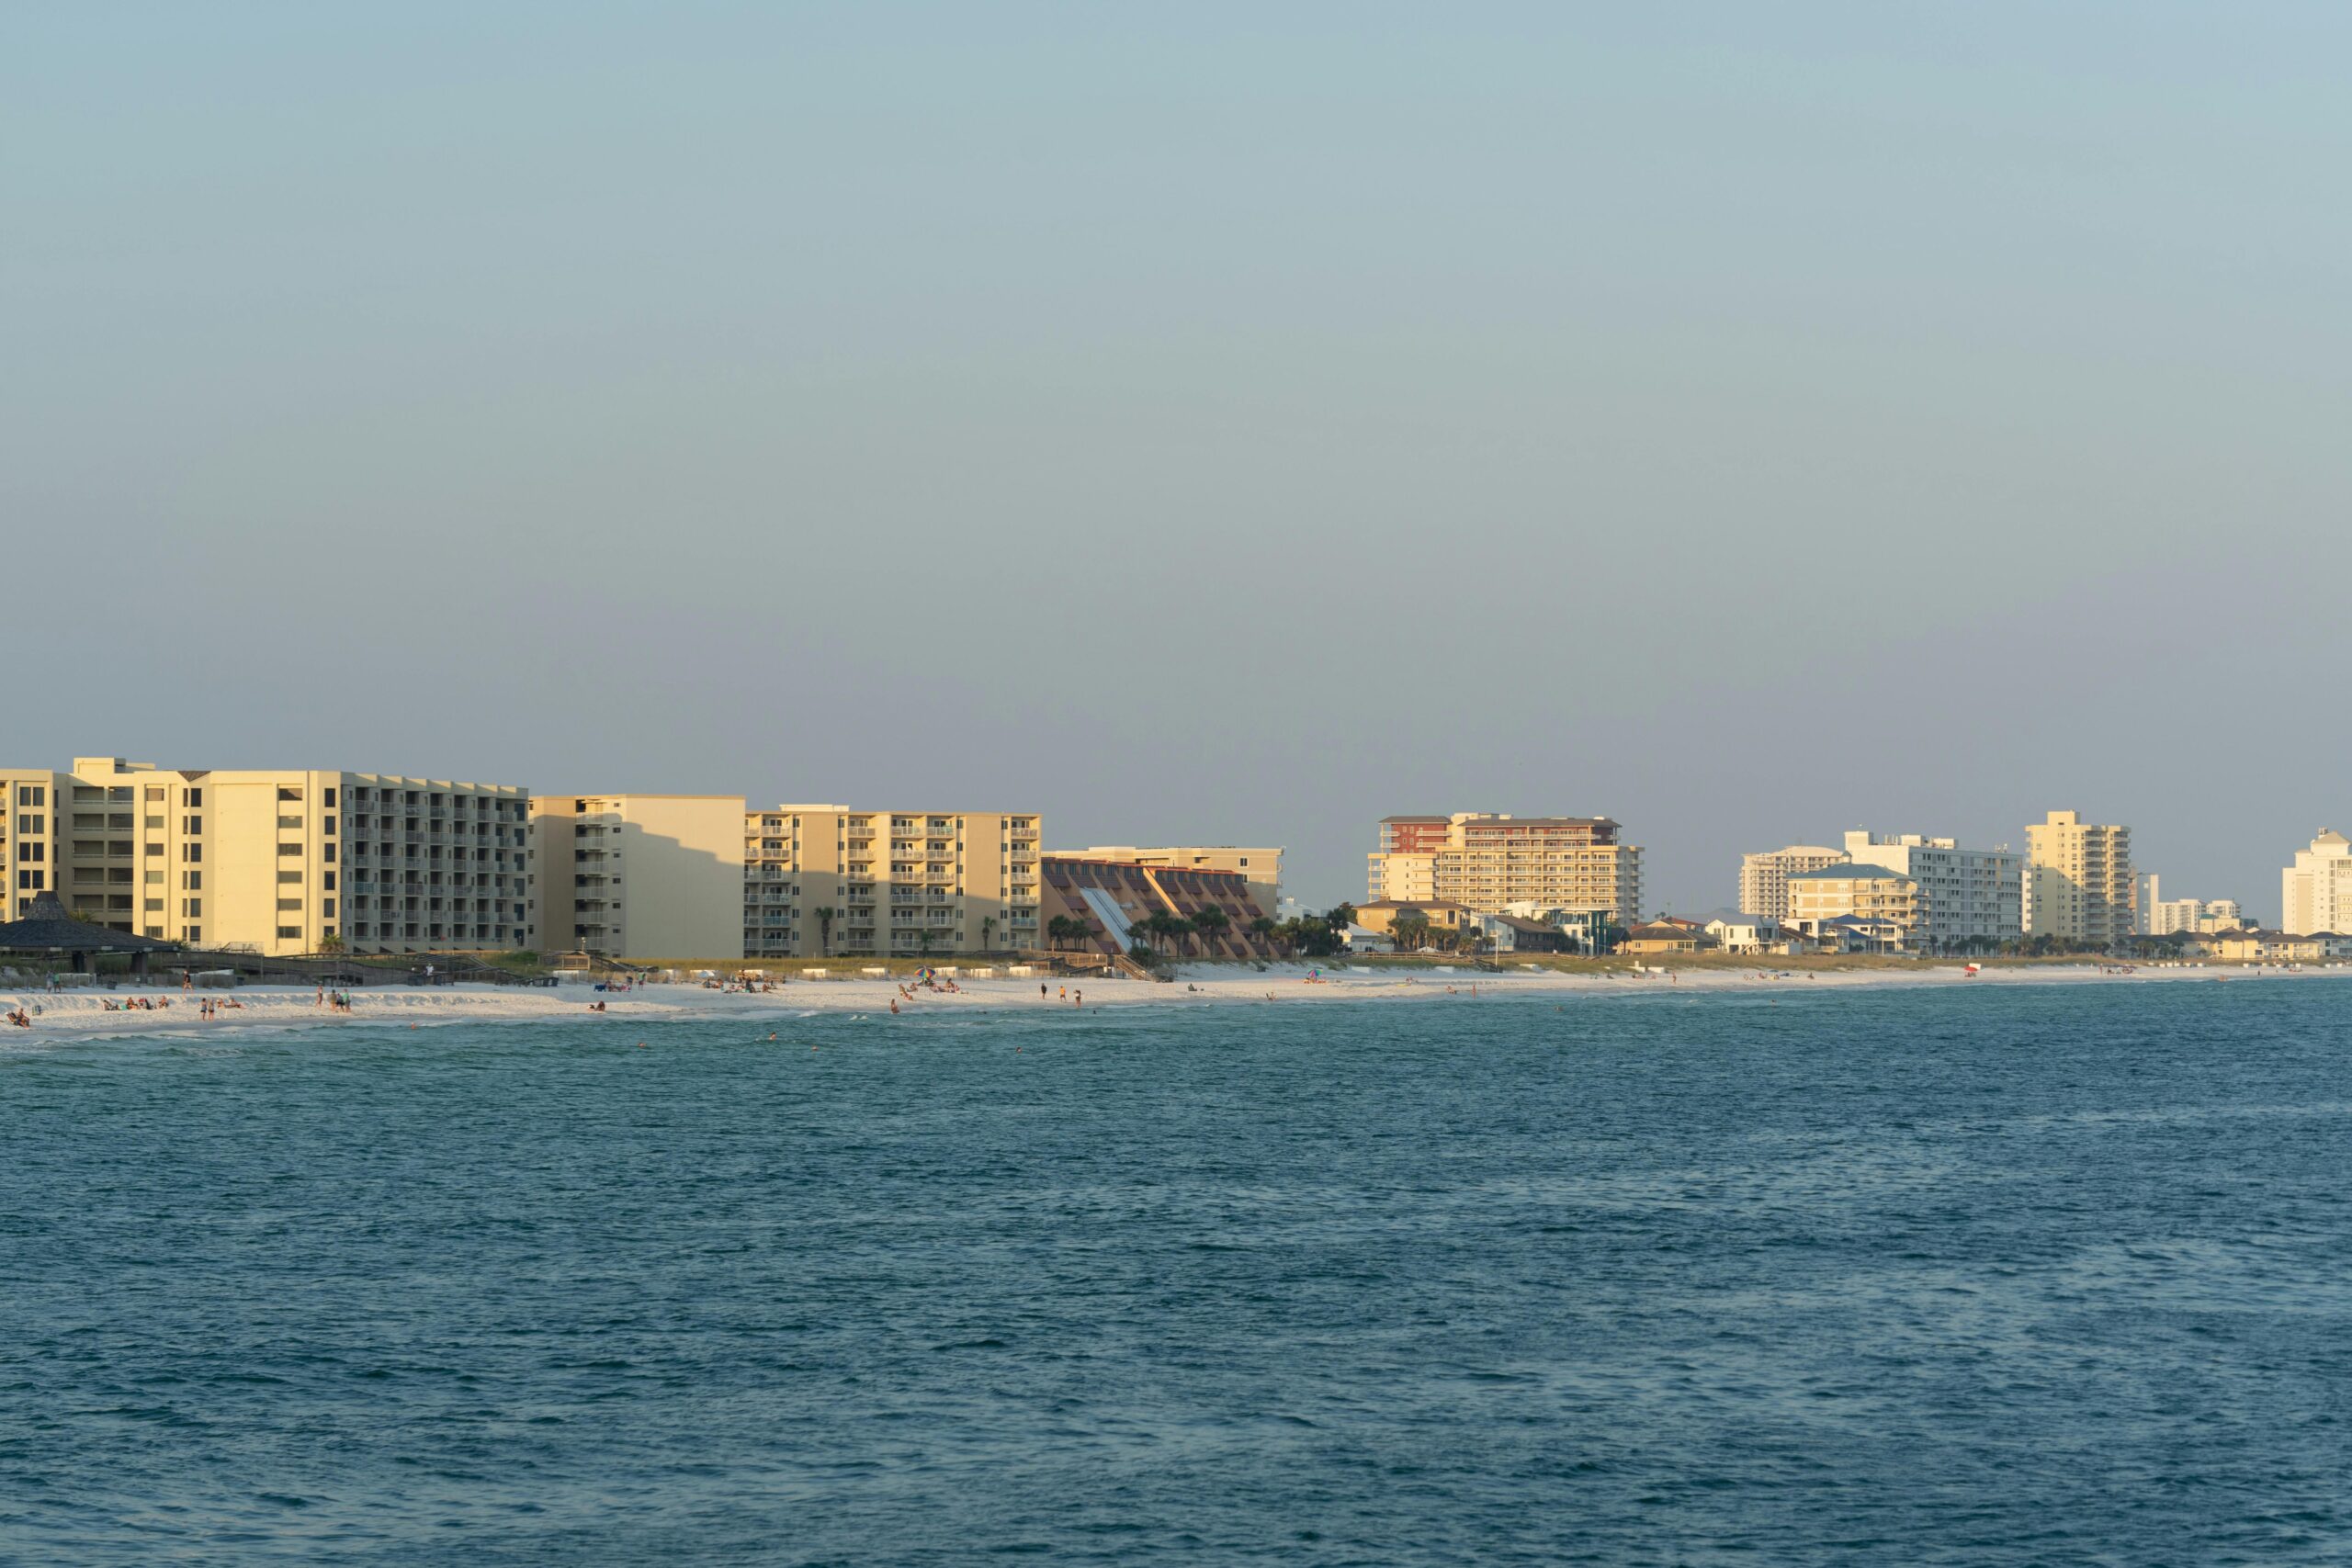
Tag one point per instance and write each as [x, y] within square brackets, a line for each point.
[822, 881]
[2077, 880]
[2315, 893]
[639, 876]
[1764, 878]
[284, 862]
[1487, 862]
[1967, 898]
[1261, 868]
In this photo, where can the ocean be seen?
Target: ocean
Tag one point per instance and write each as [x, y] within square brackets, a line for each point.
[2051, 1274]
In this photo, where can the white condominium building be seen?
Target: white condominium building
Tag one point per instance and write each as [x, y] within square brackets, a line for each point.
[276, 862]
[2078, 880]
[1764, 878]
[833, 881]
[1487, 861]
[2198, 917]
[2315, 893]
[638, 876]
[1966, 897]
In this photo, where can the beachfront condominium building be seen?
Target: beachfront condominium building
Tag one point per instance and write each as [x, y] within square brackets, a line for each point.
[283, 862]
[1261, 868]
[26, 864]
[833, 880]
[638, 876]
[2078, 882]
[1764, 878]
[2315, 893]
[2197, 916]
[1487, 862]
[1968, 898]
[1884, 907]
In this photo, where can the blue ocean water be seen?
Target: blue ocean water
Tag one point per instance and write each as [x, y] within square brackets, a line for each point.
[1973, 1275]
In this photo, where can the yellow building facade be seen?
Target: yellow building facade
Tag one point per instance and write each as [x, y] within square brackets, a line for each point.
[2078, 882]
[1487, 862]
[1887, 902]
[27, 858]
[834, 881]
[638, 876]
[283, 862]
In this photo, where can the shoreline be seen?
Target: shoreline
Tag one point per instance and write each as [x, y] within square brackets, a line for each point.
[82, 1015]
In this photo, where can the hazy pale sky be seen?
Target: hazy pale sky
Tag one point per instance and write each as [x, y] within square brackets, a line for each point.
[1202, 423]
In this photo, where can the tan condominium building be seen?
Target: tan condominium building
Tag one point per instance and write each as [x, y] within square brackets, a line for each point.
[1883, 905]
[1764, 877]
[833, 881]
[1261, 868]
[1487, 862]
[638, 876]
[2315, 893]
[276, 862]
[27, 838]
[2078, 882]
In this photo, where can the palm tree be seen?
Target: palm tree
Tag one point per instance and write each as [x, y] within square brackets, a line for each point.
[1212, 923]
[825, 919]
[1267, 928]
[988, 931]
[1410, 929]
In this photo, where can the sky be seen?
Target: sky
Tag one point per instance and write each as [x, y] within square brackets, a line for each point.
[1202, 423]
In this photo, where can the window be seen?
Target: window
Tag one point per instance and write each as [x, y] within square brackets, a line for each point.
[153, 877]
[191, 854]
[192, 907]
[191, 824]
[29, 881]
[326, 909]
[153, 906]
[290, 933]
[330, 882]
[293, 823]
[287, 792]
[289, 905]
[330, 799]
[192, 881]
[192, 799]
[153, 848]
[155, 793]
[32, 825]
[31, 795]
[191, 933]
[327, 854]
[287, 877]
[289, 849]
[34, 851]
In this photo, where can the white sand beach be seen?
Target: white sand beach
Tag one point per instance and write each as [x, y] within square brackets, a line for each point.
[93, 1014]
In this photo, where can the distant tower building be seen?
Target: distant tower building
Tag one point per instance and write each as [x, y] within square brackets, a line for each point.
[1764, 878]
[2078, 880]
[2315, 893]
